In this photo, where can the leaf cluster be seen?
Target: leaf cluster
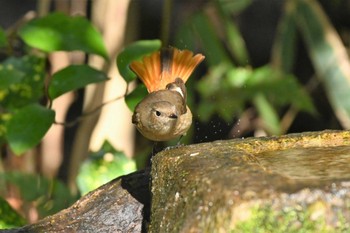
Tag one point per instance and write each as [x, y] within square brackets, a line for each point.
[103, 166]
[24, 85]
[47, 195]
[231, 85]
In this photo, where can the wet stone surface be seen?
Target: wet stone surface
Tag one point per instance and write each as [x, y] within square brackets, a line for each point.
[281, 184]
[322, 164]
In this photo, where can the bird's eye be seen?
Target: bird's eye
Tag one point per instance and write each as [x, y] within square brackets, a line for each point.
[158, 113]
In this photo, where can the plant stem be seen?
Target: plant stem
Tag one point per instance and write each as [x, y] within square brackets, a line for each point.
[167, 7]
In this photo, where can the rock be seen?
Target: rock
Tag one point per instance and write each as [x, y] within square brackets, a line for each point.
[282, 184]
[121, 205]
[293, 183]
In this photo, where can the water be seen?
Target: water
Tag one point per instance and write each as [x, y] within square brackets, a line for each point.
[322, 163]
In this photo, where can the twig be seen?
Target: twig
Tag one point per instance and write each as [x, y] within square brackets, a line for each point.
[292, 112]
[95, 110]
[166, 18]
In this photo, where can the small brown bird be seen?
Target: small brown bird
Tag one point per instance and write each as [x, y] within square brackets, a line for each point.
[163, 114]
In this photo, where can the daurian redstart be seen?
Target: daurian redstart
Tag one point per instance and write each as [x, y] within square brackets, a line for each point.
[163, 114]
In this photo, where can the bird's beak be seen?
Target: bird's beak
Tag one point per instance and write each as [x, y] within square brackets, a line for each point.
[173, 116]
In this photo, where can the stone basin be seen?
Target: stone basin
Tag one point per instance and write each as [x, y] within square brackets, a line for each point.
[293, 183]
[314, 164]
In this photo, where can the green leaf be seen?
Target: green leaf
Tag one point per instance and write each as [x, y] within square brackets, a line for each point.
[3, 119]
[225, 95]
[280, 88]
[48, 195]
[268, 114]
[232, 88]
[3, 38]
[30, 186]
[135, 51]
[103, 166]
[74, 77]
[236, 43]
[9, 76]
[213, 79]
[21, 91]
[58, 31]
[9, 218]
[238, 77]
[234, 40]
[283, 53]
[234, 7]
[184, 37]
[28, 126]
[214, 50]
[136, 96]
[327, 53]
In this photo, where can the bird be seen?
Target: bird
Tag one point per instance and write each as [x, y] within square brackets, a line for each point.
[163, 114]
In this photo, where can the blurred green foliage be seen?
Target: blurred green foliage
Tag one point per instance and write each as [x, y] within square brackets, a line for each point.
[27, 126]
[133, 98]
[47, 195]
[26, 95]
[66, 79]
[3, 38]
[231, 84]
[103, 166]
[327, 53]
[135, 51]
[22, 81]
[23, 123]
[240, 85]
[132, 52]
[60, 32]
[9, 218]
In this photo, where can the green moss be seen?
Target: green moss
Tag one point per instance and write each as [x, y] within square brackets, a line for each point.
[265, 219]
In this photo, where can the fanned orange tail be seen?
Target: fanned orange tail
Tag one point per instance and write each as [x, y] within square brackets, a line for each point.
[159, 69]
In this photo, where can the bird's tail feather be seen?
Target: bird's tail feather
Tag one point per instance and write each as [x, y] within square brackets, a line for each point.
[163, 67]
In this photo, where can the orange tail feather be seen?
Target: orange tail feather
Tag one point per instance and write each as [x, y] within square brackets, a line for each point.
[156, 75]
